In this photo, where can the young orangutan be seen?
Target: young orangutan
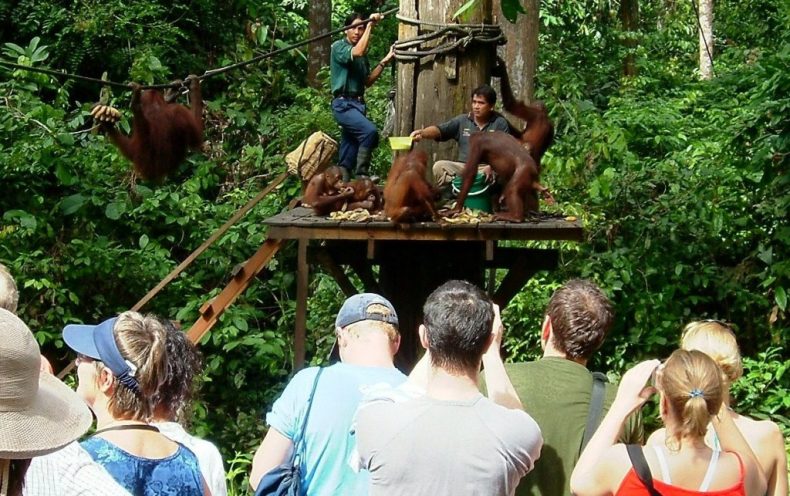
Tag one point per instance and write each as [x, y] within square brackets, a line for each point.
[515, 168]
[326, 192]
[366, 195]
[407, 195]
[162, 131]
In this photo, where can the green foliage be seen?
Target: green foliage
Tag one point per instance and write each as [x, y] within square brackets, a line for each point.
[764, 390]
[682, 184]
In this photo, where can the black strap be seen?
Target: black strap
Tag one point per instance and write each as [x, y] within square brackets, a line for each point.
[128, 427]
[641, 467]
[596, 407]
[298, 440]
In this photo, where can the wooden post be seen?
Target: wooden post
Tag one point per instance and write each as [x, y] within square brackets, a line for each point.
[440, 87]
[300, 326]
[410, 270]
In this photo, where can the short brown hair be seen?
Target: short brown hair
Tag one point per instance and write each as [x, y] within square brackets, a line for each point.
[581, 316]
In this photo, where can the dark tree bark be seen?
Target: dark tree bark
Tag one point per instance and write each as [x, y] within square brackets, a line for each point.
[521, 52]
[318, 52]
[629, 16]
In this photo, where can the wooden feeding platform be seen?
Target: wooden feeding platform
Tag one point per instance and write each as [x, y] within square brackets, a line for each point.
[413, 260]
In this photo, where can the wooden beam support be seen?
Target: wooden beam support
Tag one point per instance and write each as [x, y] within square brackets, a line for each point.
[322, 256]
[212, 310]
[210, 241]
[522, 267]
[302, 281]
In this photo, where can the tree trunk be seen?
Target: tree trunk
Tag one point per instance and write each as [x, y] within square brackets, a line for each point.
[706, 39]
[439, 87]
[629, 16]
[521, 53]
[318, 52]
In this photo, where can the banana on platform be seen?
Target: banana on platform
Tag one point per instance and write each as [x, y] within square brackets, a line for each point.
[468, 216]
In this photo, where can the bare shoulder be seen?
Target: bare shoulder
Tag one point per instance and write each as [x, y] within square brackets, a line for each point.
[763, 433]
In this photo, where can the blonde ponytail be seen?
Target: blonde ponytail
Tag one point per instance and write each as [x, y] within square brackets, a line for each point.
[692, 384]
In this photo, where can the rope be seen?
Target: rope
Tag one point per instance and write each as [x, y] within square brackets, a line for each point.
[205, 75]
[450, 36]
[227, 68]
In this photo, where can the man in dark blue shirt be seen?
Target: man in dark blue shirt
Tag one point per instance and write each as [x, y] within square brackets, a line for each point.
[481, 118]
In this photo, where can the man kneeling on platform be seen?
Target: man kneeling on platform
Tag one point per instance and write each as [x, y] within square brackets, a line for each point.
[481, 118]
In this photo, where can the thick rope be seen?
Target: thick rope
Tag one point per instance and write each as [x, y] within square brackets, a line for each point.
[449, 38]
[205, 75]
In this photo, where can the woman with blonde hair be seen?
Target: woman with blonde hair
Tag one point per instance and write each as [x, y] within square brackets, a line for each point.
[690, 397]
[121, 364]
[717, 340]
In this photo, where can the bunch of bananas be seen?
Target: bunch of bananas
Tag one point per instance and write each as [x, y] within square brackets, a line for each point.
[105, 113]
[356, 215]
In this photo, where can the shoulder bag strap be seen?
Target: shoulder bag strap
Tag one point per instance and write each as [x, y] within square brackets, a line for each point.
[641, 467]
[596, 407]
[298, 442]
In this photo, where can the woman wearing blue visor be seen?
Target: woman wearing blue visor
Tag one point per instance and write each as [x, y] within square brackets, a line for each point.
[120, 365]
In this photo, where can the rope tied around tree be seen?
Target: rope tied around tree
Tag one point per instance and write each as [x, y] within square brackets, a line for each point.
[451, 37]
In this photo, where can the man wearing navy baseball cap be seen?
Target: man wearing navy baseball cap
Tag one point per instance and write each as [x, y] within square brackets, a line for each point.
[318, 405]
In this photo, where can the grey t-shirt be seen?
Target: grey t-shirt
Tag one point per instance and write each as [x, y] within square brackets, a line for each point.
[461, 127]
[428, 446]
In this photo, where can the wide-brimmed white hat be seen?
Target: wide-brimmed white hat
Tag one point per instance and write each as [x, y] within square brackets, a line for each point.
[38, 413]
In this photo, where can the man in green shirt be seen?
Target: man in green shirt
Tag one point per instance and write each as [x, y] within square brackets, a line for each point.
[350, 74]
[557, 389]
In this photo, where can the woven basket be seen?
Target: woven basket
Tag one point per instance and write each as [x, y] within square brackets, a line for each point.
[312, 155]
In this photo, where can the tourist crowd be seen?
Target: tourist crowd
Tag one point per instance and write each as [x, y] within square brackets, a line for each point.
[360, 426]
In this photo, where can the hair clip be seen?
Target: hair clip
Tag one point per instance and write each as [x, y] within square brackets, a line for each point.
[696, 393]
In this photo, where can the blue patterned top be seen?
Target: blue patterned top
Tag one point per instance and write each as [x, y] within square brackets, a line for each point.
[177, 474]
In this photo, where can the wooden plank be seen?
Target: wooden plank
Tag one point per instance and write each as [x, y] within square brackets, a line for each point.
[300, 325]
[212, 310]
[429, 233]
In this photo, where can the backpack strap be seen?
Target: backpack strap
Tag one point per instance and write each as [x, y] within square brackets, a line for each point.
[596, 407]
[298, 442]
[641, 467]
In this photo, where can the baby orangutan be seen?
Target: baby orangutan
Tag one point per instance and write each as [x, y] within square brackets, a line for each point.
[366, 195]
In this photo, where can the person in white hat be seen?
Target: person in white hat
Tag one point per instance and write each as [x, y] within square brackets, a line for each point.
[38, 413]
